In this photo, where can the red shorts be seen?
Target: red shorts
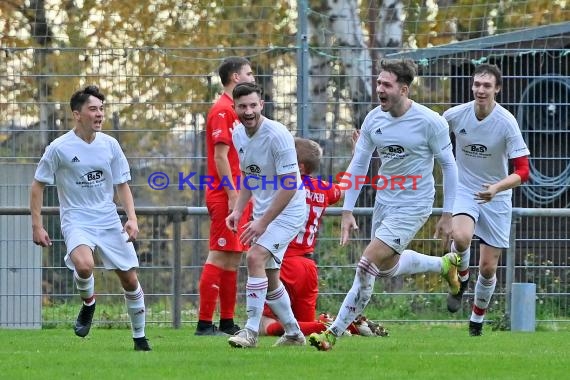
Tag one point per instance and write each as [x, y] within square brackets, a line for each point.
[300, 277]
[221, 237]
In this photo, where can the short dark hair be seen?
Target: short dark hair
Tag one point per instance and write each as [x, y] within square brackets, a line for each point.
[405, 70]
[309, 153]
[79, 98]
[487, 68]
[246, 88]
[230, 66]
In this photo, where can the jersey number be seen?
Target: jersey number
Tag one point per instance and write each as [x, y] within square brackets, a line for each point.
[313, 227]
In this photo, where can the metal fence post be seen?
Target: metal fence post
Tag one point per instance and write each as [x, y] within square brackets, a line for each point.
[303, 69]
[176, 270]
[510, 268]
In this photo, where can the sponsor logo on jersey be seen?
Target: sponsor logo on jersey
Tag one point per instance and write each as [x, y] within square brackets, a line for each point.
[393, 151]
[75, 159]
[462, 131]
[378, 131]
[93, 175]
[93, 178]
[253, 169]
[476, 150]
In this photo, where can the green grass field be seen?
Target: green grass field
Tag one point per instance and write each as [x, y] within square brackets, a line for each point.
[410, 352]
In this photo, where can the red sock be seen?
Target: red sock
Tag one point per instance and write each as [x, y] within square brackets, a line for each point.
[209, 290]
[307, 328]
[353, 329]
[228, 294]
[478, 310]
[275, 329]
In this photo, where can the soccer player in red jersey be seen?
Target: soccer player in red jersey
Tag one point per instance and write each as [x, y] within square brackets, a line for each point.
[298, 270]
[219, 275]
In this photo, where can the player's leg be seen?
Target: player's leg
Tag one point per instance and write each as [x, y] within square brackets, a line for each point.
[493, 230]
[80, 259]
[219, 274]
[256, 292]
[465, 217]
[228, 284]
[463, 229]
[134, 300]
[398, 228]
[120, 256]
[484, 287]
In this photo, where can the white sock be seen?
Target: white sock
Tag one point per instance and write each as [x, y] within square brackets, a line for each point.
[86, 287]
[280, 303]
[484, 289]
[357, 297]
[414, 262]
[136, 310]
[465, 257]
[255, 293]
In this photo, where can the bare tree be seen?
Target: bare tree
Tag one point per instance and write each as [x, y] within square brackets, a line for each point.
[336, 26]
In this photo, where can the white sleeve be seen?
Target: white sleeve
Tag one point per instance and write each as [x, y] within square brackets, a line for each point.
[440, 144]
[358, 167]
[47, 166]
[449, 171]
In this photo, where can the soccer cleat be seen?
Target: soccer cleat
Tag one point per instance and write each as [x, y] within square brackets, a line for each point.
[454, 300]
[244, 338]
[211, 330]
[361, 325]
[231, 330]
[323, 341]
[475, 328]
[449, 263]
[291, 340]
[141, 344]
[366, 327]
[84, 320]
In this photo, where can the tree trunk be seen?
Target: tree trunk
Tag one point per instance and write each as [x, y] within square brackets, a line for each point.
[41, 32]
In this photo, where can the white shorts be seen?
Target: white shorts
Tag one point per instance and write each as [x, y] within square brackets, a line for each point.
[492, 219]
[114, 251]
[397, 226]
[277, 237]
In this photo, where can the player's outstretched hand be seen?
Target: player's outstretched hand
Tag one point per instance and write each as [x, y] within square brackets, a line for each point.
[41, 237]
[444, 230]
[347, 224]
[487, 194]
[131, 227]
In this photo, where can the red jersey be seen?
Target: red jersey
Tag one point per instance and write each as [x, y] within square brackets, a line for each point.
[320, 194]
[220, 124]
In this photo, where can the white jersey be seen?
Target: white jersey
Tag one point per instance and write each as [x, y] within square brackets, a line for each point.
[85, 174]
[270, 152]
[407, 146]
[483, 148]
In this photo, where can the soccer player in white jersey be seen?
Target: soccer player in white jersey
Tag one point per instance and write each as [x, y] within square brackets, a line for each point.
[270, 175]
[408, 137]
[86, 165]
[487, 137]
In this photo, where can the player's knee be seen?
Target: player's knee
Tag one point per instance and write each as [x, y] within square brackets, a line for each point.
[487, 269]
[462, 243]
[256, 258]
